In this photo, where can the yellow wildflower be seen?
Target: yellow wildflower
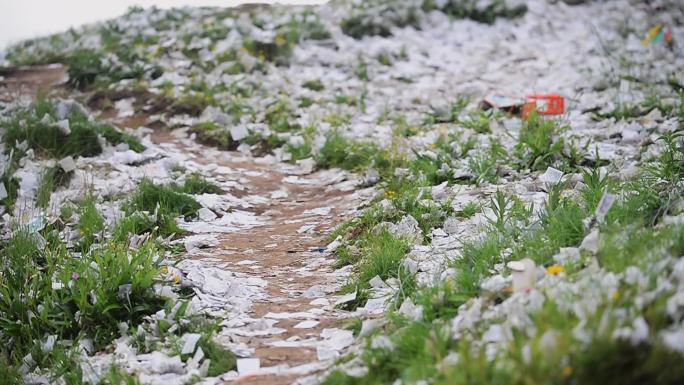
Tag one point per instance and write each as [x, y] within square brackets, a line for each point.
[567, 371]
[164, 269]
[390, 194]
[555, 269]
[280, 40]
[176, 279]
[616, 296]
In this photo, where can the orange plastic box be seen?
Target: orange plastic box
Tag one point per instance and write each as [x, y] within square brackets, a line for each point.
[550, 104]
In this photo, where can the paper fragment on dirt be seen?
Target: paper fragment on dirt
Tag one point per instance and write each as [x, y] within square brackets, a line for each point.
[246, 366]
[306, 325]
[285, 315]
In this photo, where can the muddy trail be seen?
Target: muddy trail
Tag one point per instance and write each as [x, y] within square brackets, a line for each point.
[292, 212]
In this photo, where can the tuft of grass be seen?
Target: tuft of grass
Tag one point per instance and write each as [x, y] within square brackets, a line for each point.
[470, 9]
[485, 163]
[84, 68]
[384, 255]
[279, 117]
[338, 151]
[45, 137]
[197, 184]
[52, 178]
[212, 134]
[476, 261]
[539, 145]
[477, 121]
[91, 224]
[314, 85]
[46, 291]
[378, 20]
[222, 359]
[164, 199]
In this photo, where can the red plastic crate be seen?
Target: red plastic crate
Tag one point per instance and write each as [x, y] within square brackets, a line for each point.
[550, 104]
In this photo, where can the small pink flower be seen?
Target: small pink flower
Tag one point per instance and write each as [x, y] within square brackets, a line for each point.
[75, 276]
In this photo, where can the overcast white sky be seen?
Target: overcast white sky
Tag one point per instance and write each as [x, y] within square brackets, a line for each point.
[24, 19]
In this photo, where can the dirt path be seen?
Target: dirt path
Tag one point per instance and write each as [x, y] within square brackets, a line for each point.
[297, 211]
[31, 81]
[287, 251]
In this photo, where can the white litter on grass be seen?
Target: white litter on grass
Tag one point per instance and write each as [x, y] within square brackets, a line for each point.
[524, 274]
[190, 340]
[63, 126]
[604, 206]
[67, 164]
[345, 298]
[551, 176]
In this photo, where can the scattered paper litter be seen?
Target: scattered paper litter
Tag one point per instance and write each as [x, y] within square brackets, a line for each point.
[67, 164]
[320, 211]
[604, 206]
[246, 366]
[190, 341]
[551, 176]
[306, 325]
[285, 315]
[346, 298]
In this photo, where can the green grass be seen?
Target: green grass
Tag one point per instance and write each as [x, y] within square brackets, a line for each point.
[279, 117]
[461, 9]
[51, 179]
[338, 151]
[196, 184]
[477, 121]
[376, 21]
[87, 304]
[314, 85]
[381, 255]
[46, 138]
[631, 235]
[91, 224]
[88, 68]
[151, 197]
[222, 359]
[212, 134]
[155, 207]
[539, 145]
